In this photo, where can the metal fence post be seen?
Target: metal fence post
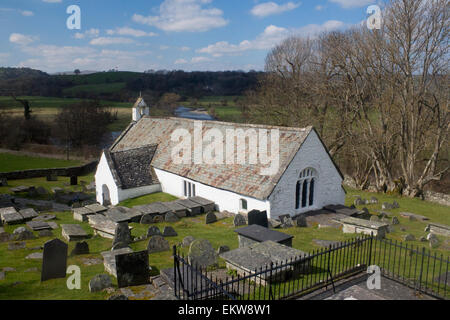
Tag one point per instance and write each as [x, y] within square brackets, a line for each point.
[175, 261]
[421, 268]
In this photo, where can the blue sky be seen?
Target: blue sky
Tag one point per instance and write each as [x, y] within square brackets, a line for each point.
[139, 35]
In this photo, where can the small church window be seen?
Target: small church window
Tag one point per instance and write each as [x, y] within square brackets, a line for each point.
[188, 189]
[243, 204]
[304, 190]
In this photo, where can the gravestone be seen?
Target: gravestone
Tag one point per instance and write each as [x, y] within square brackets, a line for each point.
[300, 222]
[409, 237]
[387, 206]
[80, 248]
[16, 246]
[169, 232]
[395, 221]
[210, 218]
[122, 234]
[132, 269]
[202, 254]
[178, 209]
[100, 282]
[157, 244]
[22, 233]
[134, 215]
[109, 259]
[4, 236]
[153, 231]
[258, 217]
[54, 263]
[81, 214]
[187, 241]
[286, 221]
[207, 205]
[147, 219]
[223, 249]
[3, 182]
[73, 180]
[117, 215]
[34, 256]
[239, 220]
[171, 217]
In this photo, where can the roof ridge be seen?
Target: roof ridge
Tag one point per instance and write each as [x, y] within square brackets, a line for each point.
[252, 125]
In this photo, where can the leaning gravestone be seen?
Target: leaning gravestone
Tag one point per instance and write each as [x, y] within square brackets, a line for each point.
[100, 282]
[202, 254]
[157, 244]
[132, 269]
[122, 234]
[239, 220]
[22, 233]
[258, 217]
[210, 218]
[54, 263]
[187, 241]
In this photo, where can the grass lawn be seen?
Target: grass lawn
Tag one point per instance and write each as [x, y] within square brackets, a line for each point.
[224, 108]
[11, 162]
[25, 284]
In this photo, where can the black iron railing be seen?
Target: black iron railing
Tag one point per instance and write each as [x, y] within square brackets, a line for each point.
[296, 277]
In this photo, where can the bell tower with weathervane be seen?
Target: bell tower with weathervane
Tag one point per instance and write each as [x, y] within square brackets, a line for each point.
[140, 109]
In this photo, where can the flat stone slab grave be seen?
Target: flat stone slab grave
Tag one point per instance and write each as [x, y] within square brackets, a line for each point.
[73, 232]
[440, 229]
[355, 225]
[117, 215]
[21, 189]
[256, 234]
[207, 205]
[417, 216]
[10, 216]
[103, 226]
[260, 255]
[38, 225]
[97, 208]
[109, 259]
[342, 210]
[178, 209]
[153, 208]
[193, 207]
[81, 214]
[28, 214]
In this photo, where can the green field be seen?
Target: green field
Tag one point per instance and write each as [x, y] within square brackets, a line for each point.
[98, 89]
[224, 108]
[12, 162]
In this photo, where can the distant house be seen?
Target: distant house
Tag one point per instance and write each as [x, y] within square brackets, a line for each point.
[140, 162]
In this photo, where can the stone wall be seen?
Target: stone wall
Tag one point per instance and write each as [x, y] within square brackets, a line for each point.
[39, 173]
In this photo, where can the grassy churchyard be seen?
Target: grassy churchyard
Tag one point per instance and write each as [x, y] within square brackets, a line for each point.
[22, 276]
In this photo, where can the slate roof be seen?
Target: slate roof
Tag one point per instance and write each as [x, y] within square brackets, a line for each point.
[132, 168]
[245, 179]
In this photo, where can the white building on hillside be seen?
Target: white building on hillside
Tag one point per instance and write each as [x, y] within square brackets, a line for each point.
[140, 162]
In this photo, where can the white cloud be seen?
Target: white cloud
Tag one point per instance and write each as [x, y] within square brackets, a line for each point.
[271, 8]
[180, 61]
[271, 36]
[91, 33]
[105, 41]
[353, 3]
[21, 39]
[26, 13]
[184, 15]
[126, 31]
[200, 59]
[319, 7]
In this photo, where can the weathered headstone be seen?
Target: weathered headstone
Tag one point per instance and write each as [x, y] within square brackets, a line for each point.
[395, 221]
[187, 241]
[258, 217]
[38, 225]
[171, 217]
[147, 219]
[169, 232]
[34, 256]
[100, 282]
[132, 269]
[16, 246]
[300, 222]
[22, 233]
[239, 220]
[387, 206]
[157, 244]
[122, 234]
[286, 221]
[153, 231]
[374, 218]
[4, 236]
[409, 237]
[202, 254]
[54, 263]
[210, 218]
[80, 248]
